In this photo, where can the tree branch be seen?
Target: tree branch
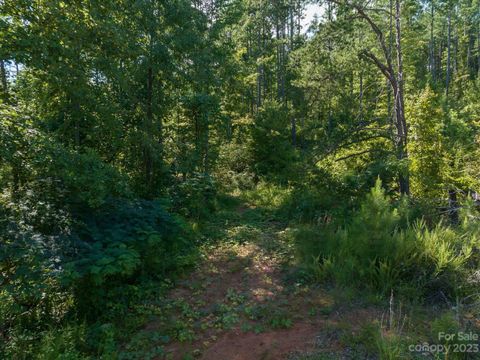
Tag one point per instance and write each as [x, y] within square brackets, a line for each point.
[355, 154]
[383, 68]
[362, 13]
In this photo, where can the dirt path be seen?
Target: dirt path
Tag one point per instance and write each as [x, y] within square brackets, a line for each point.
[241, 303]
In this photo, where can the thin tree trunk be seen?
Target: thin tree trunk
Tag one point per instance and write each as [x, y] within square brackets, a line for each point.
[3, 76]
[395, 77]
[400, 106]
[259, 73]
[251, 91]
[294, 132]
[148, 161]
[478, 43]
[252, 100]
[302, 137]
[283, 59]
[292, 20]
[452, 193]
[455, 56]
[453, 206]
[432, 42]
[390, 50]
[449, 35]
[76, 114]
[441, 46]
[264, 71]
[278, 62]
[207, 148]
[361, 95]
[471, 41]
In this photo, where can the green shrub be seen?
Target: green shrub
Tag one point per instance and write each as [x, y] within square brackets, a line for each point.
[195, 197]
[234, 169]
[95, 271]
[62, 343]
[31, 296]
[307, 205]
[380, 249]
[122, 243]
[448, 324]
[266, 195]
[273, 154]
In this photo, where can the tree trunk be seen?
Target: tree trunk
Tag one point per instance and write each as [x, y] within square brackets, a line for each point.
[455, 55]
[390, 50]
[3, 76]
[279, 56]
[283, 60]
[259, 73]
[402, 130]
[294, 132]
[206, 168]
[396, 80]
[360, 97]
[449, 35]
[76, 114]
[478, 43]
[432, 42]
[302, 137]
[453, 206]
[148, 161]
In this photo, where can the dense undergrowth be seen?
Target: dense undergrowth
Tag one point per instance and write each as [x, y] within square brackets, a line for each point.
[82, 271]
[383, 246]
[390, 252]
[134, 133]
[378, 243]
[68, 294]
[88, 297]
[79, 255]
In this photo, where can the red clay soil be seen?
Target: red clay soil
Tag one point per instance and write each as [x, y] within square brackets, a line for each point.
[246, 269]
[273, 345]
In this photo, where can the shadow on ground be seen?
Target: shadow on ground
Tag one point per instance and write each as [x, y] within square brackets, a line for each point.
[241, 303]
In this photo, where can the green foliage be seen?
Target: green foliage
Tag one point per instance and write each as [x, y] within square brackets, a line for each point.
[448, 324]
[426, 148]
[273, 153]
[305, 204]
[96, 272]
[121, 243]
[195, 197]
[235, 166]
[267, 195]
[380, 249]
[280, 320]
[31, 295]
[120, 117]
[62, 344]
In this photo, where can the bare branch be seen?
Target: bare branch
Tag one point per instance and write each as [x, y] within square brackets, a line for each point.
[383, 68]
[376, 29]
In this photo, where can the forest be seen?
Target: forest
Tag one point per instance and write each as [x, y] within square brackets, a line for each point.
[239, 179]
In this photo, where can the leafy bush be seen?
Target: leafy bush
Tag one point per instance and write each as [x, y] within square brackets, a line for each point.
[381, 249]
[31, 296]
[73, 245]
[121, 243]
[46, 172]
[95, 271]
[195, 197]
[234, 166]
[268, 196]
[273, 154]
